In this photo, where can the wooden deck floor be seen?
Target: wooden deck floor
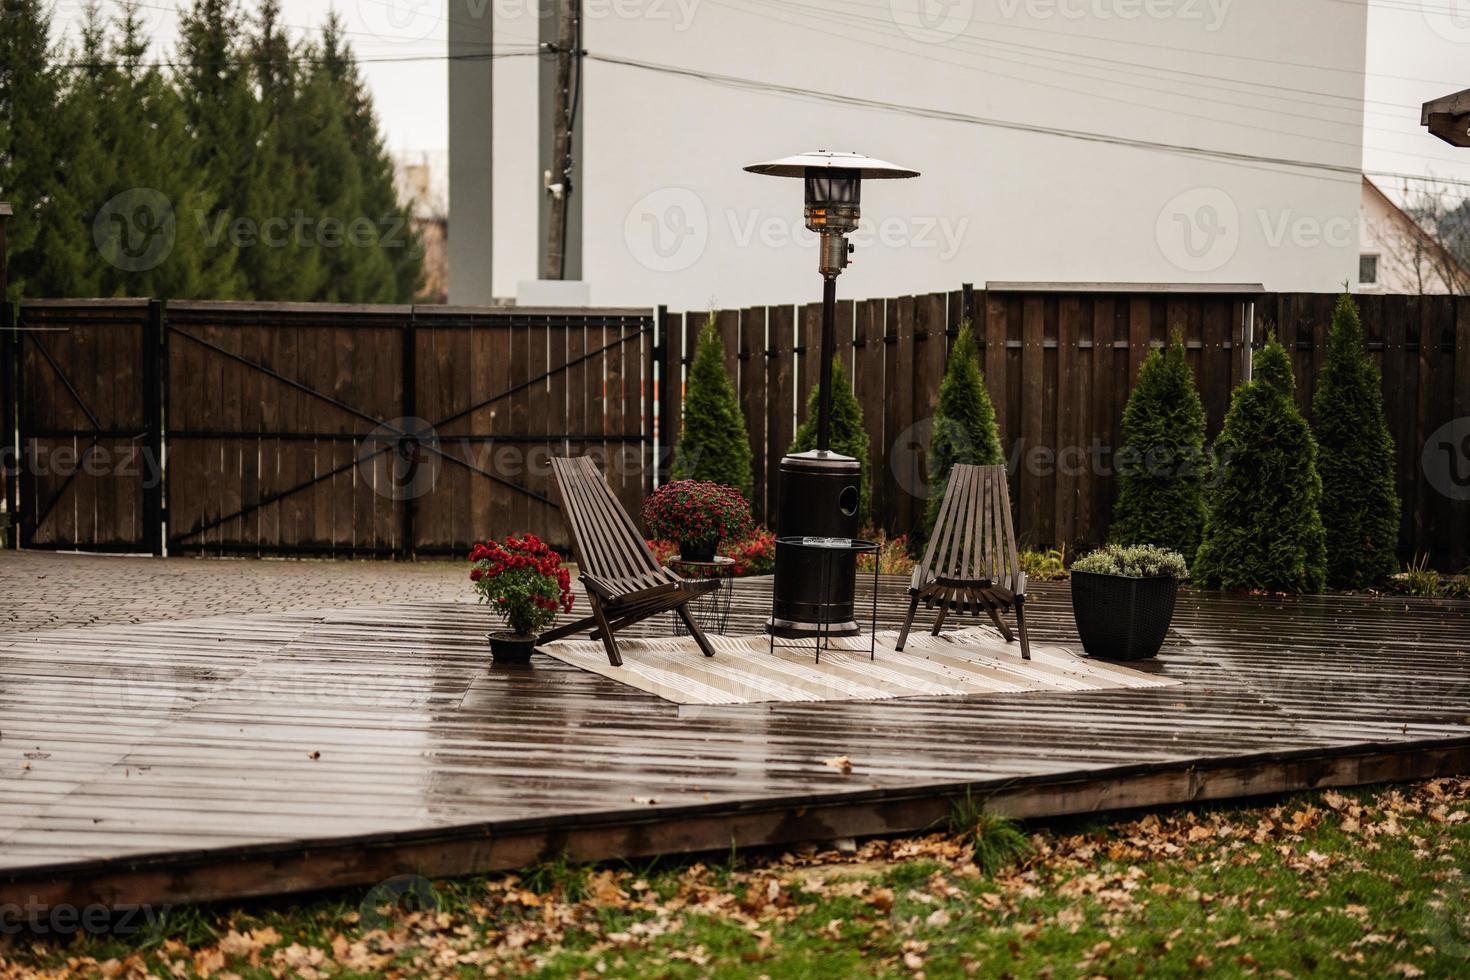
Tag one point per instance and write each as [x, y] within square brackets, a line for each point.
[267, 753]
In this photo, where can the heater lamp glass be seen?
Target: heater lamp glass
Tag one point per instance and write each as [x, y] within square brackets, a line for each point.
[826, 187]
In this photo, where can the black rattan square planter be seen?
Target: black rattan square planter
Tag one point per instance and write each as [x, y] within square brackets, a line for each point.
[1121, 618]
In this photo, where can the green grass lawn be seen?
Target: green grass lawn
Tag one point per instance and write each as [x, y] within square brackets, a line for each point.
[1370, 883]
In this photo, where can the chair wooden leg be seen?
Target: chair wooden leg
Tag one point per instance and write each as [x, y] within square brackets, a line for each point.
[605, 629]
[694, 630]
[908, 622]
[944, 600]
[567, 630]
[999, 623]
[1021, 627]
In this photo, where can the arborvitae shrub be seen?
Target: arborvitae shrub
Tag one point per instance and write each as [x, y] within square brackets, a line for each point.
[1263, 528]
[1161, 499]
[964, 423]
[1360, 502]
[848, 435]
[713, 445]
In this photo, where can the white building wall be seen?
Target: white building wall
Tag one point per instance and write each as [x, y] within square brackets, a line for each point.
[671, 218]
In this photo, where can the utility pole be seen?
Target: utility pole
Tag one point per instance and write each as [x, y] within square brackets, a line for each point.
[558, 179]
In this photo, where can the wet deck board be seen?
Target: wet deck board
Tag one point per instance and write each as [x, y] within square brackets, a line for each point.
[160, 761]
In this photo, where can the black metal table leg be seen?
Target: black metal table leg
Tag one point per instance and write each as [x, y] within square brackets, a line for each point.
[873, 623]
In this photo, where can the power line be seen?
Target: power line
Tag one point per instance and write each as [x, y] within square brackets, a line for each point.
[884, 25]
[946, 115]
[1173, 48]
[1357, 125]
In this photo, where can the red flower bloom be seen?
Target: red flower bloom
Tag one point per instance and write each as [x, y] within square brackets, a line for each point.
[524, 581]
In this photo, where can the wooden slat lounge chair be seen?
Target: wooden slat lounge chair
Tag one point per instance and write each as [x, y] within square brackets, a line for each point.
[971, 562]
[625, 583]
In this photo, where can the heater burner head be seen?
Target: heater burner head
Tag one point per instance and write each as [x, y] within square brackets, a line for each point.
[834, 184]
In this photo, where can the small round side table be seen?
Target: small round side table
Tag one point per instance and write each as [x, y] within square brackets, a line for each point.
[711, 610]
[826, 550]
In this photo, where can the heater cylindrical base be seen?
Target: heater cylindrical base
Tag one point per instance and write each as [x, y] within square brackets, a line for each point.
[819, 497]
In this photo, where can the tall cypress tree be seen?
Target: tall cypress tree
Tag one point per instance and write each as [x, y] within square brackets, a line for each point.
[848, 435]
[713, 445]
[1360, 502]
[1161, 497]
[964, 423]
[394, 235]
[1263, 528]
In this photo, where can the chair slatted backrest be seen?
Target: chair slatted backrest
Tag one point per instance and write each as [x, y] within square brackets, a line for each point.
[973, 535]
[607, 543]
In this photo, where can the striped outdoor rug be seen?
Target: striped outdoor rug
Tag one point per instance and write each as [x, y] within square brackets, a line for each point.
[743, 671]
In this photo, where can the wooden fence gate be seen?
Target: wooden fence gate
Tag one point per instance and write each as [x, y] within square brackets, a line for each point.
[392, 431]
[88, 473]
[276, 429]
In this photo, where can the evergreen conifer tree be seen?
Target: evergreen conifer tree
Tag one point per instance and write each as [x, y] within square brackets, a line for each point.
[394, 235]
[848, 435]
[964, 423]
[30, 92]
[1161, 497]
[1263, 528]
[288, 263]
[154, 193]
[713, 445]
[356, 270]
[64, 260]
[225, 125]
[1360, 503]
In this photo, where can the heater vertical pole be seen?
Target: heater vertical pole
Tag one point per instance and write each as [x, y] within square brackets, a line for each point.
[829, 343]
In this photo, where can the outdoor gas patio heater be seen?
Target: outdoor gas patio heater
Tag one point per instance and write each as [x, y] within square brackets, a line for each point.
[817, 491]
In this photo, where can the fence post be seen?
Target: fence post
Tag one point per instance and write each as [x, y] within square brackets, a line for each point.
[9, 447]
[155, 395]
[1247, 338]
[9, 364]
[967, 304]
[409, 365]
[668, 376]
[649, 389]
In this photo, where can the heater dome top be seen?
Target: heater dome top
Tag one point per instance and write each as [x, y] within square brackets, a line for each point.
[803, 163]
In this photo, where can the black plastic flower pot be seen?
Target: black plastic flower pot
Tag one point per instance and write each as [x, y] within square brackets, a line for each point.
[1121, 618]
[511, 648]
[702, 550]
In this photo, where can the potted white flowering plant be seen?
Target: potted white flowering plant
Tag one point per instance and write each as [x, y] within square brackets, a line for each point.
[1123, 599]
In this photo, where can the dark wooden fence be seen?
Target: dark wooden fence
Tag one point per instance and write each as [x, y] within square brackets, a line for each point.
[1059, 363]
[381, 431]
[355, 431]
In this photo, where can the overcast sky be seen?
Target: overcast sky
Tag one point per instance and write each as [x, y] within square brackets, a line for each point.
[1417, 50]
